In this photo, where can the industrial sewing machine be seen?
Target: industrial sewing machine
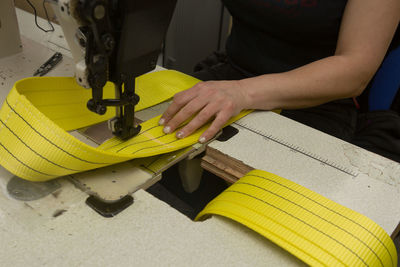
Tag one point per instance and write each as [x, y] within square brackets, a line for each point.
[112, 41]
[117, 41]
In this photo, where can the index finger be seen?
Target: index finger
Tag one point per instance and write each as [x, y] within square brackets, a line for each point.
[178, 102]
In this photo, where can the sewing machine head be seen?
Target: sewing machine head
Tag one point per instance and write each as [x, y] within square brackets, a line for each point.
[117, 41]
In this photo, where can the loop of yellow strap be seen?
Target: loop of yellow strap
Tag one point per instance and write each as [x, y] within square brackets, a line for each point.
[317, 230]
[34, 144]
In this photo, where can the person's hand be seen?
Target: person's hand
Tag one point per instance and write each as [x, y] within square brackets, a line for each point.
[215, 101]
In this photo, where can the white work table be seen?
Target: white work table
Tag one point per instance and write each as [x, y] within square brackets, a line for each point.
[148, 233]
[60, 229]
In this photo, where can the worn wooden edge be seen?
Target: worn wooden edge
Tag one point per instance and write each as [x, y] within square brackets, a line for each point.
[218, 172]
[224, 166]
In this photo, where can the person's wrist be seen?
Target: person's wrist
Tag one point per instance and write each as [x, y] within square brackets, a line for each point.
[245, 98]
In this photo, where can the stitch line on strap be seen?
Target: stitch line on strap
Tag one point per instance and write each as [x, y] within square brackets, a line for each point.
[302, 221]
[30, 148]
[331, 210]
[313, 213]
[97, 163]
[24, 163]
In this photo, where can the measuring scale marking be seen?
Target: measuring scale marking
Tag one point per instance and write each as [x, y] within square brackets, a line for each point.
[299, 149]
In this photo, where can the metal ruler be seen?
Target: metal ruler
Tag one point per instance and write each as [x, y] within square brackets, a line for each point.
[296, 148]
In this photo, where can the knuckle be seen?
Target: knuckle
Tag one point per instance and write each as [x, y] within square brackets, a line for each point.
[206, 89]
[221, 97]
[177, 101]
[229, 106]
[211, 132]
[186, 112]
[180, 117]
[202, 86]
[203, 117]
[189, 129]
[167, 114]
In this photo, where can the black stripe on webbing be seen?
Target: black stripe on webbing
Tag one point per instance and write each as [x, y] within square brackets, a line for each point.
[24, 163]
[152, 139]
[313, 213]
[141, 142]
[66, 152]
[156, 138]
[46, 159]
[149, 147]
[304, 222]
[331, 210]
[108, 148]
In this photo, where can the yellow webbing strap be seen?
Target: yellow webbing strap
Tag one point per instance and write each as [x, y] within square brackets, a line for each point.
[38, 112]
[315, 229]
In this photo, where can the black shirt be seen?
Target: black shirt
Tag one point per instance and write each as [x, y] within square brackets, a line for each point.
[270, 36]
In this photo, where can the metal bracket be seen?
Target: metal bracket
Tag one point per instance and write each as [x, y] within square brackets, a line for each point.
[109, 209]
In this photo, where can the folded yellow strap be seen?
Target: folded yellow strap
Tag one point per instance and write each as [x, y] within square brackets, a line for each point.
[317, 230]
[34, 144]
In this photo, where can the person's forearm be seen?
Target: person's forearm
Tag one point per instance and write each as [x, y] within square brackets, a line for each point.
[328, 79]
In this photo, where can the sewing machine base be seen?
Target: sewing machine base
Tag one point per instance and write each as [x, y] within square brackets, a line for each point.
[109, 209]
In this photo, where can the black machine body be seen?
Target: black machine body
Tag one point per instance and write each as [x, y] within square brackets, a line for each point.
[122, 40]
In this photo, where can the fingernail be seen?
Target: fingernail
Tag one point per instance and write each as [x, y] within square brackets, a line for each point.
[167, 129]
[161, 121]
[202, 140]
[179, 134]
